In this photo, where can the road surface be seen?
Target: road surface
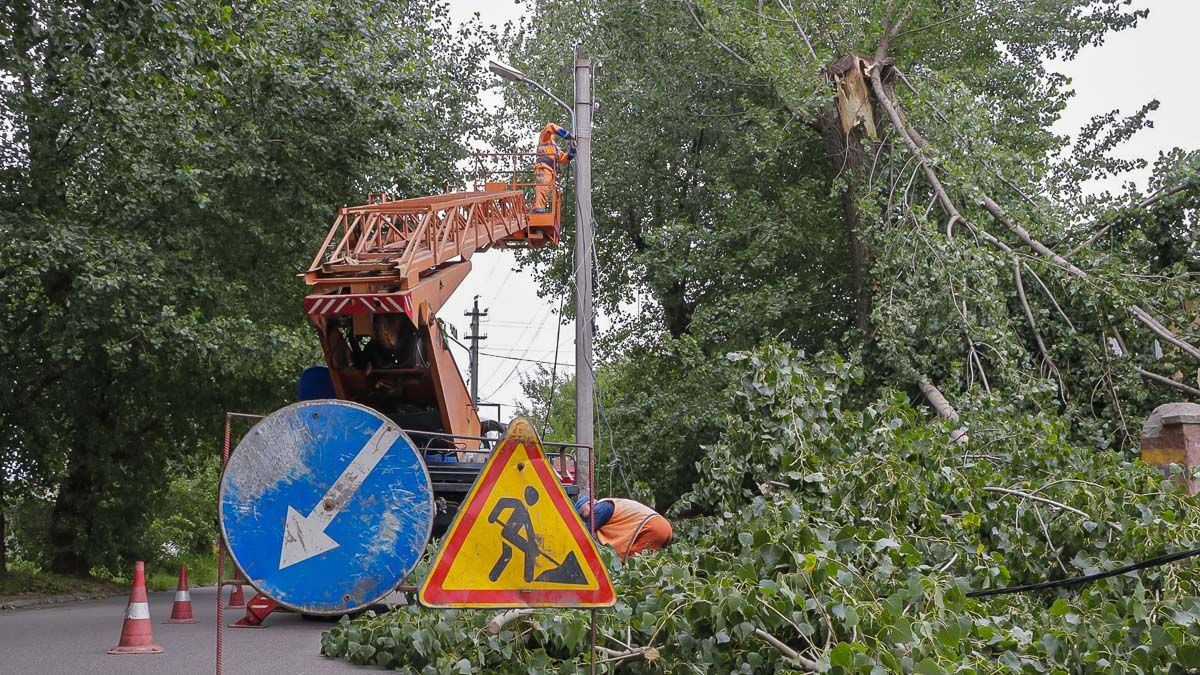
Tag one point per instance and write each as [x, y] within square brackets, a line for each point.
[73, 638]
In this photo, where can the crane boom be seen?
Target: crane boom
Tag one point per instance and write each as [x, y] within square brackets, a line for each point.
[384, 270]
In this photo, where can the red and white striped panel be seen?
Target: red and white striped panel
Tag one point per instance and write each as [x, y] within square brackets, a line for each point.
[366, 303]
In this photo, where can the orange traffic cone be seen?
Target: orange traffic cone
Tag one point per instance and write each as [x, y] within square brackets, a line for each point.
[137, 634]
[237, 599]
[181, 611]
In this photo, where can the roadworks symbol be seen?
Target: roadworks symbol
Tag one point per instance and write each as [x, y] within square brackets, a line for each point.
[517, 541]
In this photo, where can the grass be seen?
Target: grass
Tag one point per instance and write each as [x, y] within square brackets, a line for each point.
[25, 579]
[202, 571]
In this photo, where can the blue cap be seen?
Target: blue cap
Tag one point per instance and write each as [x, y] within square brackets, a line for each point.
[580, 502]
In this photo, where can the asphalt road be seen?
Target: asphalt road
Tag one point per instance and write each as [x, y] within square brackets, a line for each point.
[73, 638]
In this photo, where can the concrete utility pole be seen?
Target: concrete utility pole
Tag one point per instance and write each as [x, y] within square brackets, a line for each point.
[584, 385]
[475, 338]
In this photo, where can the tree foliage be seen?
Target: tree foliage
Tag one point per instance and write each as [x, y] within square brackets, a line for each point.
[732, 206]
[851, 535]
[168, 167]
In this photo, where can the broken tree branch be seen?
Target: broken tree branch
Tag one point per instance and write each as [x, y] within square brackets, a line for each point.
[944, 410]
[938, 401]
[500, 620]
[611, 655]
[1041, 345]
[1023, 234]
[1043, 250]
[1036, 498]
[1051, 298]
[1166, 381]
[789, 653]
[1163, 332]
[914, 147]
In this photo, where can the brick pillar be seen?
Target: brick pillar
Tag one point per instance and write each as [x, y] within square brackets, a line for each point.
[1171, 435]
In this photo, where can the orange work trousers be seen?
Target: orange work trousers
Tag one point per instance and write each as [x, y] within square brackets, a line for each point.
[544, 178]
[654, 535]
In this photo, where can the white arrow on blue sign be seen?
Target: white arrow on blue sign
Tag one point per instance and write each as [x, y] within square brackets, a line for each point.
[326, 506]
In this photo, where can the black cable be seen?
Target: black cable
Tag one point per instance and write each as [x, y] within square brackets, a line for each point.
[1152, 562]
[554, 370]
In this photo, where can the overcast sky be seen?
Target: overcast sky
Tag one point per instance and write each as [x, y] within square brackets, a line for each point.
[1130, 69]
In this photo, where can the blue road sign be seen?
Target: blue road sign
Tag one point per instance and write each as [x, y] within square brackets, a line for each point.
[326, 506]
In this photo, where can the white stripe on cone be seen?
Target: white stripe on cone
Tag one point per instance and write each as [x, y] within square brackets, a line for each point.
[137, 610]
[183, 596]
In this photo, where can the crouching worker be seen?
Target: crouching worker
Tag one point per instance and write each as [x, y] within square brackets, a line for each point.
[626, 525]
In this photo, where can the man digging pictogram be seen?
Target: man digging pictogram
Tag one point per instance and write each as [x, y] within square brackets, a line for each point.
[517, 531]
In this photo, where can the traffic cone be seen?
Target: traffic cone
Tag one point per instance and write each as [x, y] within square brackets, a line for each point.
[236, 598]
[181, 611]
[137, 633]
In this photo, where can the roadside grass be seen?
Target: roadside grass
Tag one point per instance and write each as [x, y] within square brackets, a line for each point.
[164, 575]
[25, 579]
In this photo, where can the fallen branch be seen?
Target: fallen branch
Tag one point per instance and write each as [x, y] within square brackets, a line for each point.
[1163, 332]
[1053, 301]
[1166, 381]
[938, 401]
[944, 410]
[789, 653]
[1062, 387]
[500, 620]
[1023, 234]
[1036, 498]
[1049, 542]
[611, 655]
[1043, 250]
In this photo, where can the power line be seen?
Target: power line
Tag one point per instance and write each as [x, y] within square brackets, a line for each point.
[1152, 562]
[528, 347]
[518, 365]
[506, 357]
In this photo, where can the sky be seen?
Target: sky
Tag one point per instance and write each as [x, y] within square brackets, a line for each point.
[1125, 72]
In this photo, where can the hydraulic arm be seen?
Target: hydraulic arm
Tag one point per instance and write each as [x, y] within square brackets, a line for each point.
[383, 272]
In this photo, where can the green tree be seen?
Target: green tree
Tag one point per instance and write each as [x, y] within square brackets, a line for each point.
[733, 204]
[170, 166]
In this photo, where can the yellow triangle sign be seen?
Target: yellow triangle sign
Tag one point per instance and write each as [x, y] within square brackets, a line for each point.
[517, 540]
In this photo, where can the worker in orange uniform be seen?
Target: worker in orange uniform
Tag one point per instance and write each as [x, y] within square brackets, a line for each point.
[629, 527]
[546, 165]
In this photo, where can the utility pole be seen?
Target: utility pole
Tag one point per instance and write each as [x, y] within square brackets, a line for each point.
[584, 385]
[475, 338]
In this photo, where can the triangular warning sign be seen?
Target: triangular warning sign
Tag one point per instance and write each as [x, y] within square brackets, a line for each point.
[517, 540]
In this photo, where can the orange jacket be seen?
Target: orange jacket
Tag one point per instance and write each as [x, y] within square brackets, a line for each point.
[628, 519]
[548, 154]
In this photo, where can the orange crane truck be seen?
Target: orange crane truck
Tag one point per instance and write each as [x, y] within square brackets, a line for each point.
[381, 275]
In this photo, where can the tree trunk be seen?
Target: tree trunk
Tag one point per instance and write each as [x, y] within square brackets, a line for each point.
[849, 159]
[73, 515]
[3, 536]
[677, 311]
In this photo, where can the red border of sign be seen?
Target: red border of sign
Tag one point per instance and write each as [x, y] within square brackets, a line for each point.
[433, 594]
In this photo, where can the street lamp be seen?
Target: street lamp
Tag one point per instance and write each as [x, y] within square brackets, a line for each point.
[581, 126]
[511, 74]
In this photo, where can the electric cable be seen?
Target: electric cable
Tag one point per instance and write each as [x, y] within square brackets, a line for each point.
[554, 369]
[1152, 562]
[522, 357]
[541, 321]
